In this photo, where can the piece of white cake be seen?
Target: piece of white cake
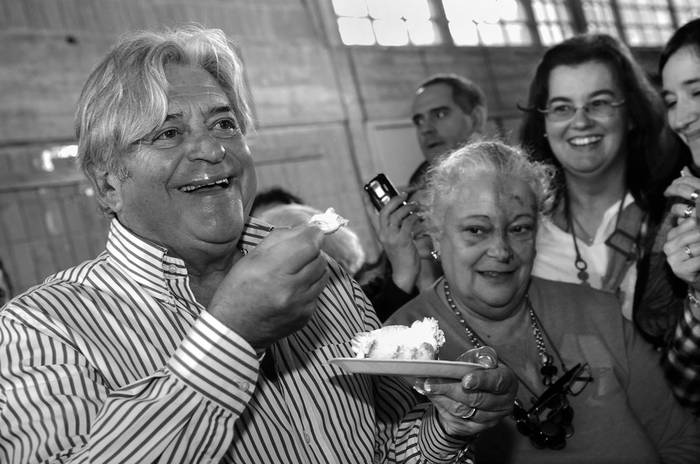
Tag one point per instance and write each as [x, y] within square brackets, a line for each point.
[328, 221]
[422, 340]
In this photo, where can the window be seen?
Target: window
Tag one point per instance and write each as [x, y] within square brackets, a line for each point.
[646, 22]
[385, 22]
[599, 16]
[686, 10]
[493, 22]
[507, 22]
[553, 20]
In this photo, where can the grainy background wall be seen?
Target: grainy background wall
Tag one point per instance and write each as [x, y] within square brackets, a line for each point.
[316, 103]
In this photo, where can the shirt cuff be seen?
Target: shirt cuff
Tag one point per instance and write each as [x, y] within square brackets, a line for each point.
[686, 342]
[217, 363]
[690, 319]
[437, 446]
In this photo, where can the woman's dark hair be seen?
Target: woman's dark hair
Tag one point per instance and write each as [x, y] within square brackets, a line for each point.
[645, 176]
[688, 35]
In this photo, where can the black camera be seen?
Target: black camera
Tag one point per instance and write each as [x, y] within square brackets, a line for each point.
[380, 190]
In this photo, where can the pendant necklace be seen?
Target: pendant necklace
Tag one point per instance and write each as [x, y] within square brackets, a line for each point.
[579, 262]
[547, 368]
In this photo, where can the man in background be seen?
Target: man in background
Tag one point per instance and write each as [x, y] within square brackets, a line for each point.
[447, 111]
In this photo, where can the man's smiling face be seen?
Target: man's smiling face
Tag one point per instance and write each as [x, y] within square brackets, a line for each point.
[191, 181]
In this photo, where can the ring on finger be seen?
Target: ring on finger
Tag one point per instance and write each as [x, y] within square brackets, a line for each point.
[688, 252]
[688, 211]
[469, 414]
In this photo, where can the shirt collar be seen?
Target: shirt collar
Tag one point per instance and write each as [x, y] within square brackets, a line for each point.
[150, 266]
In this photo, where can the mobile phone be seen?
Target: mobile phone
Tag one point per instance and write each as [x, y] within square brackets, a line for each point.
[380, 190]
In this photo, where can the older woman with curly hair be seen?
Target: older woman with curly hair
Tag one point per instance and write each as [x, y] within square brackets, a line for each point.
[590, 390]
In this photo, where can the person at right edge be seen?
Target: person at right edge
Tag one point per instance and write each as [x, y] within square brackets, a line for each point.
[592, 112]
[679, 68]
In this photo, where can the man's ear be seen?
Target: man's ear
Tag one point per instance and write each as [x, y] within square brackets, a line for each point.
[479, 116]
[108, 190]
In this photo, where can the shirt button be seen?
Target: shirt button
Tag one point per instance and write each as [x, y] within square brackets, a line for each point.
[307, 438]
[243, 386]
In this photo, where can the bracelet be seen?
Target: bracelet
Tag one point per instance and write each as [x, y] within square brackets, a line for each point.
[692, 298]
[465, 456]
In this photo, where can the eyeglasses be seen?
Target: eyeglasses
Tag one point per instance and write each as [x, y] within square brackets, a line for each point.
[598, 108]
[548, 423]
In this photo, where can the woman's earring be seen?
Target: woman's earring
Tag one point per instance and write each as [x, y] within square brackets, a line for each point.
[435, 254]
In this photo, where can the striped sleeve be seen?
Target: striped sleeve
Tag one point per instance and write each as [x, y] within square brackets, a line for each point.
[416, 436]
[682, 361]
[217, 363]
[54, 406]
[438, 445]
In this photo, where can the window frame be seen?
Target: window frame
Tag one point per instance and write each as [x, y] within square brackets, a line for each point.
[576, 15]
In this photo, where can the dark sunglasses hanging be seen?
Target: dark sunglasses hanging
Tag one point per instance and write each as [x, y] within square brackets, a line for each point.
[548, 422]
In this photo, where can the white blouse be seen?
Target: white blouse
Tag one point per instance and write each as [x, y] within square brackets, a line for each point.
[556, 255]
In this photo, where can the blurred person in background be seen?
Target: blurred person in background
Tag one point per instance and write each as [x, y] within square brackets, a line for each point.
[448, 110]
[272, 197]
[408, 262]
[343, 245]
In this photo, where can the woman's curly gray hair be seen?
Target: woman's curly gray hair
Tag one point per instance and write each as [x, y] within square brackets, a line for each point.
[482, 158]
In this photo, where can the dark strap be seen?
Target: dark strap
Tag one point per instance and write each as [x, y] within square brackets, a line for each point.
[625, 245]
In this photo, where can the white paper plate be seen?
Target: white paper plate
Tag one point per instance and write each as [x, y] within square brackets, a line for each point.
[407, 368]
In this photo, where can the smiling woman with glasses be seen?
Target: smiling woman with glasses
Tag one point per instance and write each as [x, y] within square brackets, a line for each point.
[589, 390]
[593, 114]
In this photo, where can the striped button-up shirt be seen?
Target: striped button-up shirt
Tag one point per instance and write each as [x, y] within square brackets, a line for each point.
[115, 361]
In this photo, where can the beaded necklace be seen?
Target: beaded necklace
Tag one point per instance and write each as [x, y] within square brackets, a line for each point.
[547, 367]
[548, 422]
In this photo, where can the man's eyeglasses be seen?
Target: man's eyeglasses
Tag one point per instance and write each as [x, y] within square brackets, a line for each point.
[598, 108]
[548, 423]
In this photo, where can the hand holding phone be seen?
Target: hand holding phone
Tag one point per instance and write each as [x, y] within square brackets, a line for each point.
[395, 229]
